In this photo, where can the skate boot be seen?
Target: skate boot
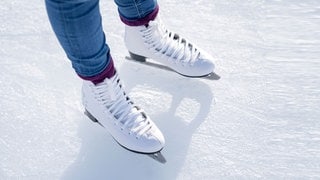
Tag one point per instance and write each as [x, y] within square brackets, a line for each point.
[108, 104]
[158, 43]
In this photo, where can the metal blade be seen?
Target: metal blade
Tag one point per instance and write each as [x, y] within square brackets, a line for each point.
[158, 157]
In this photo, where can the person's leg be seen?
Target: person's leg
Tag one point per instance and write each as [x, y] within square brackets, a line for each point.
[77, 25]
[137, 12]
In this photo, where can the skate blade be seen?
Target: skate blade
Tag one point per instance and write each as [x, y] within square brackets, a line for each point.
[142, 60]
[158, 157]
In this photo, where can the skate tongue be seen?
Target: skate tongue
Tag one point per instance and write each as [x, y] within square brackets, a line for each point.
[136, 121]
[111, 91]
[138, 117]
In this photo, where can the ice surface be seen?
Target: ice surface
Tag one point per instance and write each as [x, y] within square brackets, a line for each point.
[260, 120]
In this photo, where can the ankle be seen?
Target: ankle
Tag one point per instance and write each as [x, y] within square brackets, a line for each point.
[142, 21]
[108, 72]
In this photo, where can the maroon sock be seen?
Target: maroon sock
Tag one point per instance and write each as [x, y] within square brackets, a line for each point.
[108, 72]
[143, 21]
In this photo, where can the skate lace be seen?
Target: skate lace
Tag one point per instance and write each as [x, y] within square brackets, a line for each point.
[111, 94]
[169, 44]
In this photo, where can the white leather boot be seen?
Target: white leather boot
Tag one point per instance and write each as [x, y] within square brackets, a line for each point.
[156, 42]
[109, 105]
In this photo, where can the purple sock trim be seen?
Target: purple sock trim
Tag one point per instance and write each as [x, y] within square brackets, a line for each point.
[142, 21]
[108, 72]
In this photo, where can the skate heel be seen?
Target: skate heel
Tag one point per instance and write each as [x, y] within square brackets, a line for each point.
[137, 57]
[93, 119]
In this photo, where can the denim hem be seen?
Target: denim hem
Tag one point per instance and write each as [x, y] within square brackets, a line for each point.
[108, 72]
[143, 21]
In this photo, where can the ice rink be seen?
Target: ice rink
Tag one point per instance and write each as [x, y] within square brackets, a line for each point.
[259, 120]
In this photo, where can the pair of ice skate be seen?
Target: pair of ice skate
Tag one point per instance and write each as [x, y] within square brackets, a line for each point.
[109, 105]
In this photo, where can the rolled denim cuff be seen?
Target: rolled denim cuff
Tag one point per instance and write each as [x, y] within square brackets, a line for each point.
[143, 21]
[108, 72]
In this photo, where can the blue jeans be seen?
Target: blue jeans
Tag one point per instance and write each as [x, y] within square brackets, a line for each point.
[77, 25]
